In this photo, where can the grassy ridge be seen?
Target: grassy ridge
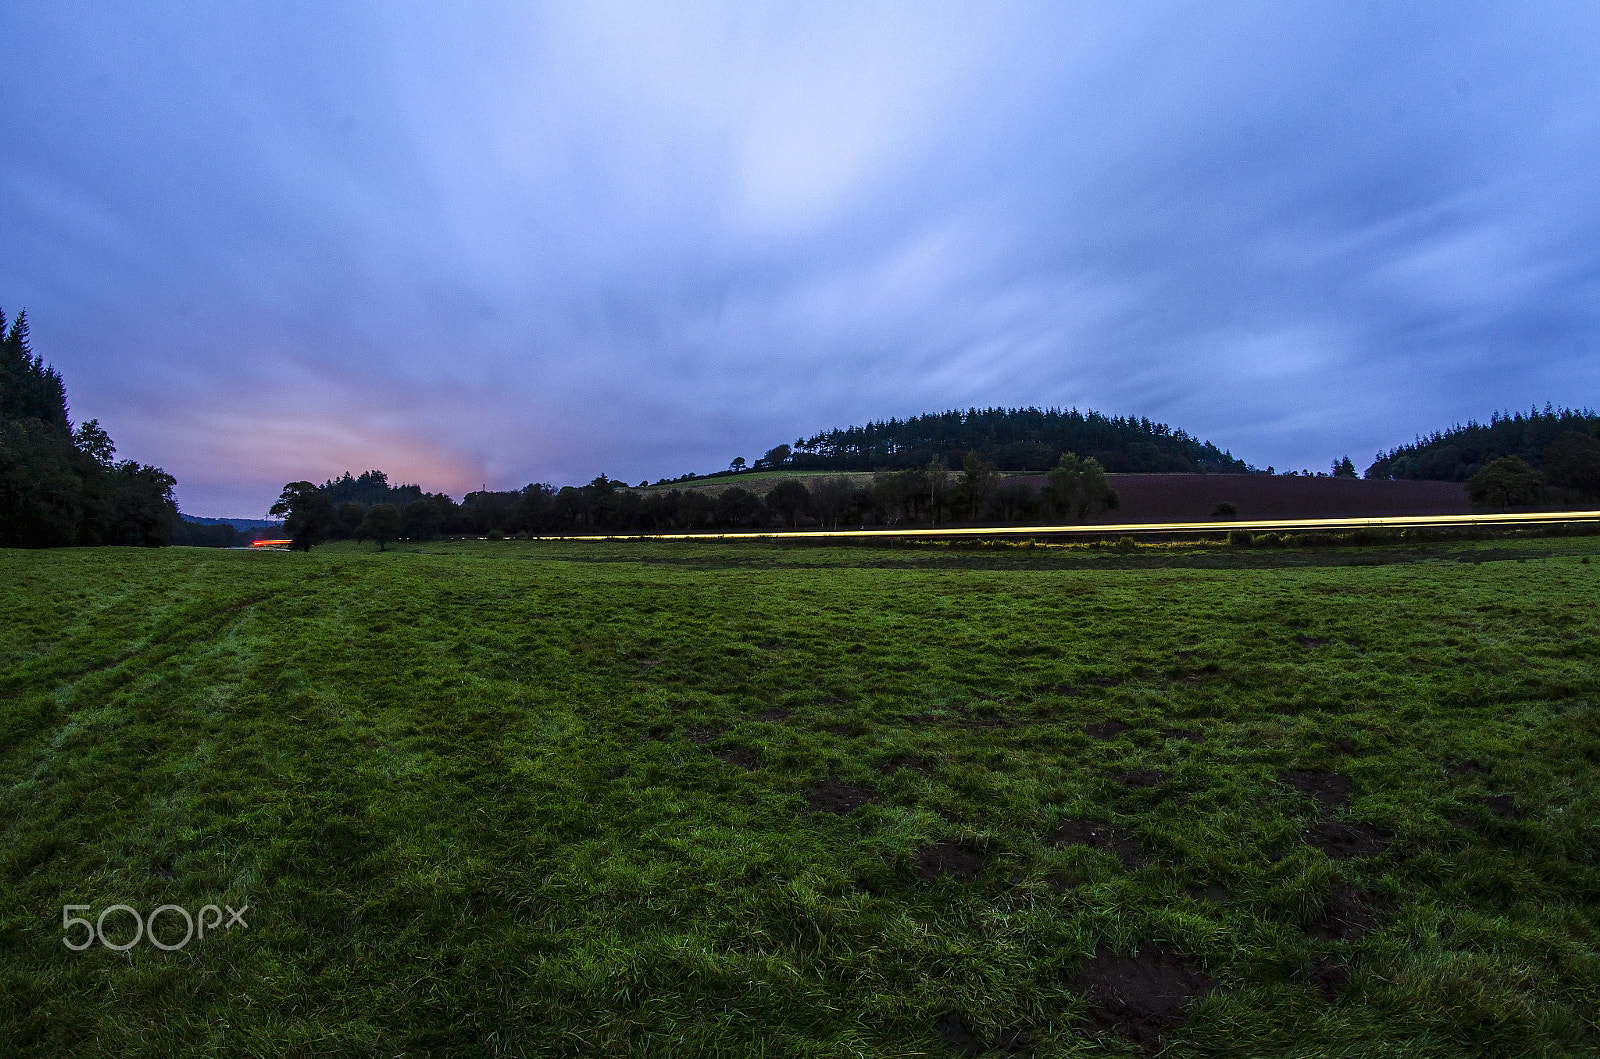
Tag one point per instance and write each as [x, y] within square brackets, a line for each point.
[521, 798]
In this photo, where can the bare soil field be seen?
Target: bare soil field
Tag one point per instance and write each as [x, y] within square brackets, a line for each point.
[1191, 497]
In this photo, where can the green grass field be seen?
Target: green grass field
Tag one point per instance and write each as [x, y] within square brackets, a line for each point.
[688, 799]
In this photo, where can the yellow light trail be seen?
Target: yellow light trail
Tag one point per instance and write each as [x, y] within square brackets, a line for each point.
[1393, 522]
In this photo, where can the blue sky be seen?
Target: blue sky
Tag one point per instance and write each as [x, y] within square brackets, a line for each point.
[492, 244]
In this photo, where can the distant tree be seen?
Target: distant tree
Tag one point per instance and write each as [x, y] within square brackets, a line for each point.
[1573, 461]
[894, 494]
[936, 478]
[308, 515]
[832, 498]
[1015, 500]
[382, 524]
[1344, 468]
[94, 442]
[738, 507]
[791, 499]
[978, 479]
[1078, 488]
[350, 515]
[776, 457]
[427, 518]
[1507, 482]
[737, 464]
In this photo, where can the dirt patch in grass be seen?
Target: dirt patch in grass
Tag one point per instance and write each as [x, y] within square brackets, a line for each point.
[948, 858]
[1311, 643]
[1140, 997]
[702, 736]
[1106, 682]
[920, 720]
[1504, 806]
[903, 761]
[1142, 778]
[1330, 790]
[1182, 734]
[742, 756]
[831, 796]
[659, 733]
[1329, 975]
[1341, 841]
[1104, 730]
[1211, 894]
[846, 731]
[774, 715]
[953, 1030]
[987, 720]
[1346, 917]
[1464, 768]
[1344, 746]
[1099, 836]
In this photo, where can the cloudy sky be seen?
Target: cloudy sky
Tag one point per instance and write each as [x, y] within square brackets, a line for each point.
[492, 244]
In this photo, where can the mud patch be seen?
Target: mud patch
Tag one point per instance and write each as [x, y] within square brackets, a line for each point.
[1341, 841]
[985, 720]
[660, 733]
[1104, 730]
[1140, 996]
[953, 1030]
[1182, 734]
[845, 731]
[742, 756]
[1329, 976]
[1211, 894]
[702, 736]
[1464, 768]
[903, 761]
[948, 858]
[774, 715]
[1141, 778]
[1099, 836]
[1311, 643]
[1345, 917]
[831, 796]
[1344, 746]
[1106, 682]
[1504, 806]
[1330, 790]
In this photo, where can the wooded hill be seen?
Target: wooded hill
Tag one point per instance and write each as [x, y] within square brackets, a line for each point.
[1562, 443]
[1009, 439]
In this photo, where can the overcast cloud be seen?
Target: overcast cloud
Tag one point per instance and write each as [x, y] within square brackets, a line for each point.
[473, 244]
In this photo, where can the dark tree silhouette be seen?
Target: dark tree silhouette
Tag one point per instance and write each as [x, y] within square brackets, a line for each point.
[382, 524]
[308, 515]
[1507, 482]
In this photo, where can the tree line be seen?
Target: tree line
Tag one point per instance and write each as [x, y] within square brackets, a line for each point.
[60, 484]
[1562, 445]
[1011, 439]
[1075, 489]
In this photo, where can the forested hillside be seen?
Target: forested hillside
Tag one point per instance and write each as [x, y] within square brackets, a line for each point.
[1560, 442]
[59, 485]
[1012, 439]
